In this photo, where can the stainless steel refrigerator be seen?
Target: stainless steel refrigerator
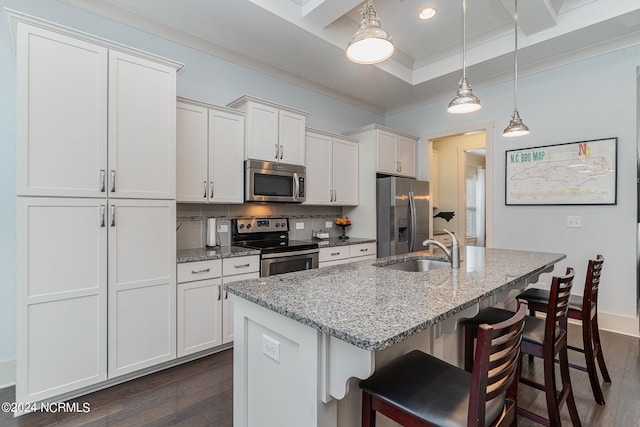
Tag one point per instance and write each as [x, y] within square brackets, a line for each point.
[403, 210]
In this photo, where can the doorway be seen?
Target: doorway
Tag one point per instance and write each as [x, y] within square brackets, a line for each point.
[459, 180]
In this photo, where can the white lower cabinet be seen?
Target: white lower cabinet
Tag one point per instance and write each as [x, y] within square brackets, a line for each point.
[205, 310]
[142, 284]
[337, 255]
[85, 266]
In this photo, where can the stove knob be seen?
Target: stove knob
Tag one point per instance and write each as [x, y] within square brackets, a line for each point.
[248, 226]
[241, 226]
[277, 224]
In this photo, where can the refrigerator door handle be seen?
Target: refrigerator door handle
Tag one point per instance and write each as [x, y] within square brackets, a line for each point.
[412, 222]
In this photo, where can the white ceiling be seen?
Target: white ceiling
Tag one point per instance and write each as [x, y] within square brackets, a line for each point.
[304, 40]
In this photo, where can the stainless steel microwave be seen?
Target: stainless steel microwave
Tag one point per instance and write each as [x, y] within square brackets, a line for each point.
[274, 182]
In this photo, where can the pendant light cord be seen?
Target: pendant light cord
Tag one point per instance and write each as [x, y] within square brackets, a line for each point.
[515, 56]
[464, 39]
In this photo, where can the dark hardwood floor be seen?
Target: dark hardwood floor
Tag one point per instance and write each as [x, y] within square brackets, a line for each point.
[200, 393]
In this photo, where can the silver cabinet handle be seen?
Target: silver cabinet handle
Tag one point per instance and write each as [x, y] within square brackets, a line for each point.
[113, 215]
[204, 185]
[277, 151]
[335, 253]
[331, 195]
[219, 292]
[103, 177]
[113, 181]
[400, 163]
[102, 212]
[364, 250]
[211, 185]
[335, 195]
[204, 270]
[226, 295]
[241, 265]
[281, 152]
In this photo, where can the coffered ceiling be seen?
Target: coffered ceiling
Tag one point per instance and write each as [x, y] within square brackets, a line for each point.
[304, 40]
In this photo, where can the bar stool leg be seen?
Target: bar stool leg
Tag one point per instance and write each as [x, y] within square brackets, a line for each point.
[553, 408]
[598, 350]
[590, 356]
[566, 385]
[368, 414]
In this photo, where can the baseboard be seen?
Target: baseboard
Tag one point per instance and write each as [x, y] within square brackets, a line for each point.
[7, 373]
[619, 324]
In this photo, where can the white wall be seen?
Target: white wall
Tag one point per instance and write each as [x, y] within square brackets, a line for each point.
[204, 78]
[591, 99]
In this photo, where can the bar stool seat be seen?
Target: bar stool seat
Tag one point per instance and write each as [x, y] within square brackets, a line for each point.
[584, 309]
[410, 384]
[417, 389]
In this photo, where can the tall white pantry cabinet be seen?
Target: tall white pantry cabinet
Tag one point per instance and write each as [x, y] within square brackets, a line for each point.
[96, 278]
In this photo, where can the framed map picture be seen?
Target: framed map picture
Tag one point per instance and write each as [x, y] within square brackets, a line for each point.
[577, 173]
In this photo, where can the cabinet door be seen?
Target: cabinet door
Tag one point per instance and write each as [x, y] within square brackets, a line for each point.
[142, 128]
[291, 136]
[262, 132]
[227, 305]
[61, 274]
[345, 172]
[407, 156]
[226, 155]
[61, 115]
[142, 284]
[199, 316]
[386, 146]
[192, 182]
[319, 190]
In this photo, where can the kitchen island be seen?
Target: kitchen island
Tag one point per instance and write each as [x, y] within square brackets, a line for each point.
[302, 340]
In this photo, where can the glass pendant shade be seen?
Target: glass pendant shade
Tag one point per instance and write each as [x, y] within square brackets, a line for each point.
[516, 127]
[465, 101]
[371, 44]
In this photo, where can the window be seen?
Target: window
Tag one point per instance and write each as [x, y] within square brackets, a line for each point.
[471, 207]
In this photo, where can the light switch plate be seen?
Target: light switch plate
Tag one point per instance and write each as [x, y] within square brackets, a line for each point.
[299, 225]
[223, 228]
[574, 221]
[328, 224]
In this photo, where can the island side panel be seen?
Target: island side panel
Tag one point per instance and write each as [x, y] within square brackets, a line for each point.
[277, 371]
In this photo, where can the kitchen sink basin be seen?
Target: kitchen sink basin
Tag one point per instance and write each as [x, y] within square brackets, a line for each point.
[417, 265]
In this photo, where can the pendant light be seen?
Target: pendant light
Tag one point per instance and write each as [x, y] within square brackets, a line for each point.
[516, 126]
[465, 101]
[370, 44]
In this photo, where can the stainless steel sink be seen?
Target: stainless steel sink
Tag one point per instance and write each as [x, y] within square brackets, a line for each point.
[416, 265]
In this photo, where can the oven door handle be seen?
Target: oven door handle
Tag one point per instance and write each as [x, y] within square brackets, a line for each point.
[292, 253]
[296, 186]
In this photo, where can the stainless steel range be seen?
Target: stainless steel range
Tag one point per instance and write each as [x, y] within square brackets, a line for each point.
[278, 253]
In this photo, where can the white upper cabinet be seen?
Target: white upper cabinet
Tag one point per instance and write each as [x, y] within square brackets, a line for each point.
[395, 152]
[210, 153]
[142, 128]
[274, 133]
[92, 120]
[332, 169]
[62, 115]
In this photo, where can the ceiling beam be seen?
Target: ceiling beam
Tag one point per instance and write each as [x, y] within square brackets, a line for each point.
[325, 12]
[535, 16]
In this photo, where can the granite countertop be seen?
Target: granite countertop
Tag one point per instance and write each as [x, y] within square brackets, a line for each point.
[203, 254]
[374, 308]
[334, 241]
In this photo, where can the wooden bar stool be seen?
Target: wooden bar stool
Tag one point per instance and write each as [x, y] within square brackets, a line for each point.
[585, 309]
[544, 338]
[420, 390]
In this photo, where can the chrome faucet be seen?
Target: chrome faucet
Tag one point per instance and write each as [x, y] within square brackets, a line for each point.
[453, 254]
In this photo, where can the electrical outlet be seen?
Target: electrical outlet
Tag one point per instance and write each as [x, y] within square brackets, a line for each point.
[574, 221]
[223, 228]
[328, 224]
[299, 225]
[271, 348]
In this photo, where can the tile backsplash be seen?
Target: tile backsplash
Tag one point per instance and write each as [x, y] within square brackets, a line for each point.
[191, 221]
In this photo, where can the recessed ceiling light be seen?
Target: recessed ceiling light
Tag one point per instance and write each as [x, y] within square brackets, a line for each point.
[427, 12]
